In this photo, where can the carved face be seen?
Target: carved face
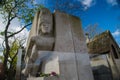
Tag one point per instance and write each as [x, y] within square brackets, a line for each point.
[46, 27]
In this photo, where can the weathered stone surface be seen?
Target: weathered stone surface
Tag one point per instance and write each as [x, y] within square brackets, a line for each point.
[70, 38]
[50, 61]
[83, 67]
[64, 40]
[101, 68]
[104, 43]
[41, 39]
[44, 78]
[66, 65]
[69, 57]
[33, 31]
[117, 61]
[34, 78]
[113, 67]
[77, 35]
[43, 17]
[100, 43]
[61, 63]
[105, 68]
[69, 34]
[99, 60]
[18, 66]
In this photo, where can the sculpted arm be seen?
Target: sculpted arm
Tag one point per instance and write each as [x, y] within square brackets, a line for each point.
[30, 46]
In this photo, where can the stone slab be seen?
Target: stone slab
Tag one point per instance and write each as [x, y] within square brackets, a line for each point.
[83, 67]
[77, 35]
[64, 41]
[101, 68]
[118, 64]
[51, 64]
[70, 38]
[113, 66]
[18, 66]
[64, 64]
[44, 78]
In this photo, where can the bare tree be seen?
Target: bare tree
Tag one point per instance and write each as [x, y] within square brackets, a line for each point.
[93, 30]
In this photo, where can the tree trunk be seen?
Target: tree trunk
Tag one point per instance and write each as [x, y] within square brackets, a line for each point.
[7, 49]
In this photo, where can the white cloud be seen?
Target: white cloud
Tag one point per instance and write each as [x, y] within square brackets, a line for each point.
[1, 29]
[34, 1]
[116, 33]
[14, 27]
[112, 2]
[87, 3]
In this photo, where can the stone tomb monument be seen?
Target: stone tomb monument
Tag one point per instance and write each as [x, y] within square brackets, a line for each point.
[56, 43]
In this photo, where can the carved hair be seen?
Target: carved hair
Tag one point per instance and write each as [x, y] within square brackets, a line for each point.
[45, 16]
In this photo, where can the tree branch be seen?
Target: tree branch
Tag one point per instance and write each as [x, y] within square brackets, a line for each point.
[19, 30]
[8, 23]
[12, 18]
[3, 44]
[14, 56]
[9, 61]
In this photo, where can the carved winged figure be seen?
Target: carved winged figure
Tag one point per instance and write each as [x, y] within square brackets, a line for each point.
[42, 40]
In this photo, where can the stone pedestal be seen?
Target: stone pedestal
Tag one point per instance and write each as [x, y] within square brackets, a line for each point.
[65, 65]
[69, 58]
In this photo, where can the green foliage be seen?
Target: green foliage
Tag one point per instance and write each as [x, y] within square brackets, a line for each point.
[48, 74]
[2, 33]
[22, 9]
[13, 51]
[1, 58]
[44, 75]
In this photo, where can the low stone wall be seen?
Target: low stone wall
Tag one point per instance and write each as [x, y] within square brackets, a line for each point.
[118, 64]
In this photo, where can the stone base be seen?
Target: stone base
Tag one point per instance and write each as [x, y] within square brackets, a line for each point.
[118, 63]
[68, 66]
[43, 78]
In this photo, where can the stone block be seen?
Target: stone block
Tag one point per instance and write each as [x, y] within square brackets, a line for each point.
[64, 41]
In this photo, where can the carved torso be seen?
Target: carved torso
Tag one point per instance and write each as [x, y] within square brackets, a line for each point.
[43, 43]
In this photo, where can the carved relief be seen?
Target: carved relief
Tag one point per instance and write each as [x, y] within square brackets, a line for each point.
[42, 41]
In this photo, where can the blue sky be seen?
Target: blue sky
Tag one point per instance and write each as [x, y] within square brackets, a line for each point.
[106, 13]
[103, 13]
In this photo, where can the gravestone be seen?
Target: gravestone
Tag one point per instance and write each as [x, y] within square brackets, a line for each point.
[63, 49]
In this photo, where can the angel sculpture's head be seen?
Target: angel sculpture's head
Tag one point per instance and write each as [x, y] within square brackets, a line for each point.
[46, 27]
[46, 21]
